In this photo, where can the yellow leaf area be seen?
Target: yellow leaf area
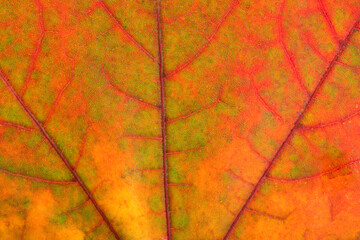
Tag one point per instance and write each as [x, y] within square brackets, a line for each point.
[179, 119]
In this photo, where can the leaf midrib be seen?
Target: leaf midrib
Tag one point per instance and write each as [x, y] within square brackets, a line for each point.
[163, 120]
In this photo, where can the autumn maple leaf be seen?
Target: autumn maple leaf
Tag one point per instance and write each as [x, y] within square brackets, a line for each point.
[183, 120]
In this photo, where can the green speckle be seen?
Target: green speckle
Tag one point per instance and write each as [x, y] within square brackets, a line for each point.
[332, 91]
[87, 213]
[181, 219]
[155, 202]
[335, 152]
[57, 190]
[147, 154]
[265, 188]
[33, 140]
[60, 220]
[226, 178]
[222, 198]
[12, 112]
[176, 175]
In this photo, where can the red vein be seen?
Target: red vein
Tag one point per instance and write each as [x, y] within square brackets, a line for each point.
[328, 20]
[239, 177]
[127, 34]
[210, 39]
[182, 17]
[331, 65]
[15, 125]
[113, 86]
[195, 112]
[261, 99]
[315, 175]
[286, 51]
[339, 121]
[355, 68]
[131, 97]
[186, 151]
[75, 208]
[309, 41]
[24, 226]
[163, 119]
[93, 229]
[87, 201]
[57, 100]
[142, 137]
[38, 179]
[60, 154]
[94, 6]
[36, 53]
[82, 147]
[146, 170]
[266, 214]
[252, 148]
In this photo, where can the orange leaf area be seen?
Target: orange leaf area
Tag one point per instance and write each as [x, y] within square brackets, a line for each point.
[179, 120]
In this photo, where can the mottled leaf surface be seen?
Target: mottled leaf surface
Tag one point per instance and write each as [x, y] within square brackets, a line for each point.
[173, 119]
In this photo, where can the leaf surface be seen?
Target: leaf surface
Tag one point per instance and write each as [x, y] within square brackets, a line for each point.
[179, 119]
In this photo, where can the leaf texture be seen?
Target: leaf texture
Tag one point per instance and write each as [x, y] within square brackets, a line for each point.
[170, 119]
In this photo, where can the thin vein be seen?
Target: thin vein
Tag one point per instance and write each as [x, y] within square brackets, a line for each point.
[289, 57]
[207, 43]
[127, 34]
[194, 112]
[262, 100]
[121, 92]
[15, 125]
[328, 20]
[329, 124]
[332, 170]
[38, 179]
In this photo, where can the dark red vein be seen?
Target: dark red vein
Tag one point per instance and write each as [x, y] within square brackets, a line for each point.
[75, 208]
[186, 151]
[24, 226]
[267, 215]
[36, 53]
[57, 100]
[207, 43]
[329, 124]
[121, 92]
[163, 119]
[127, 34]
[15, 125]
[328, 20]
[38, 179]
[60, 154]
[288, 54]
[342, 46]
[332, 170]
[194, 112]
[262, 100]
[142, 137]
